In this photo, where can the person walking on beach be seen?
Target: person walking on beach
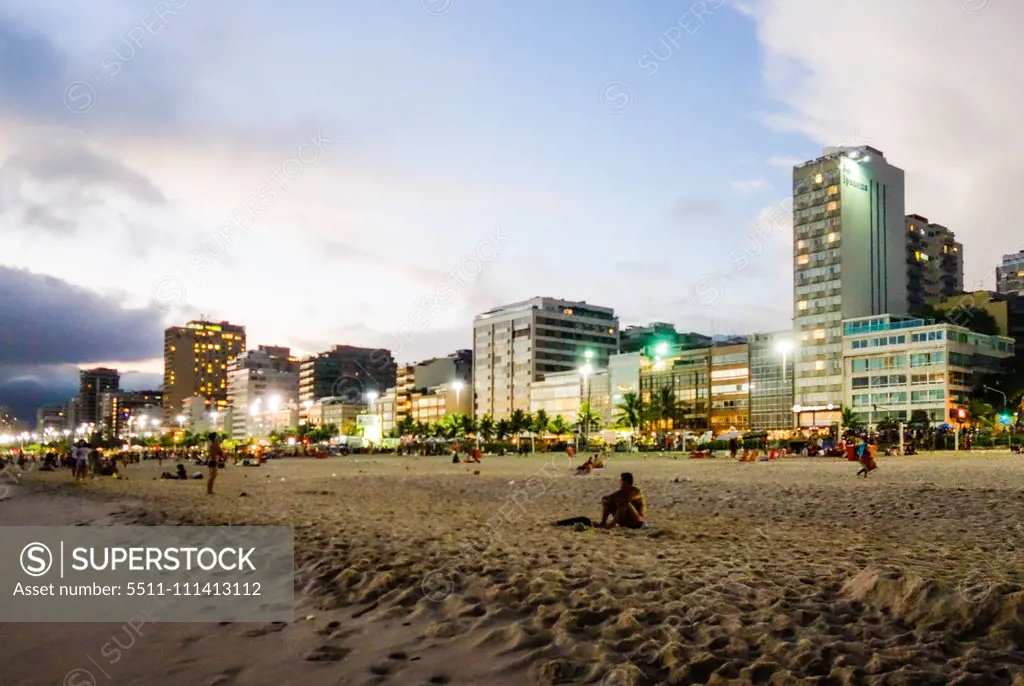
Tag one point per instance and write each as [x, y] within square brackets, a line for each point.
[216, 454]
[80, 456]
[866, 458]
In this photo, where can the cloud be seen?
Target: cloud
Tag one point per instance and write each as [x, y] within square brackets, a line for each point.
[46, 321]
[44, 218]
[960, 154]
[750, 187]
[63, 163]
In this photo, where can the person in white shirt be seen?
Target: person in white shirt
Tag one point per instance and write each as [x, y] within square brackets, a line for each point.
[81, 457]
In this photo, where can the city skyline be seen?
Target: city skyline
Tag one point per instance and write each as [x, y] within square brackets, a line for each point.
[642, 155]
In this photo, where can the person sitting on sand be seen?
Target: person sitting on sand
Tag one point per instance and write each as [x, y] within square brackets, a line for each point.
[598, 463]
[625, 507]
[586, 467]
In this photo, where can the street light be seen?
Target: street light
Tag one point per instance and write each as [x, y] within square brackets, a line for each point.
[181, 421]
[585, 372]
[457, 387]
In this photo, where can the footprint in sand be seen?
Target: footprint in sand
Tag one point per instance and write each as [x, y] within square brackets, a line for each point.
[328, 653]
[271, 628]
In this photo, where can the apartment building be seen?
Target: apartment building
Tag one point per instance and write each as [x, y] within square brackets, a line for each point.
[1010, 275]
[196, 358]
[348, 372]
[518, 344]
[730, 387]
[256, 380]
[898, 365]
[92, 384]
[771, 381]
[935, 262]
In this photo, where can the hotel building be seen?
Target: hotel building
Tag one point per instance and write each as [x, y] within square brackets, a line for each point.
[849, 261]
[897, 365]
[518, 344]
[196, 358]
[935, 262]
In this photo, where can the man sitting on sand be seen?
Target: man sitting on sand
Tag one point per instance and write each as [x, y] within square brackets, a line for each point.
[586, 467]
[626, 507]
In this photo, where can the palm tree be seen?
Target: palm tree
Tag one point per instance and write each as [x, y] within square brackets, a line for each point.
[629, 413]
[540, 426]
[541, 422]
[502, 429]
[666, 409]
[406, 426]
[467, 424]
[586, 419]
[850, 420]
[487, 427]
[519, 422]
[559, 426]
[980, 413]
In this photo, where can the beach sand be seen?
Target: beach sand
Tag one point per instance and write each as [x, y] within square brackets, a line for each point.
[418, 571]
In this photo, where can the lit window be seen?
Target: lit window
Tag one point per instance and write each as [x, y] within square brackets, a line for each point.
[832, 190]
[800, 245]
[805, 336]
[819, 365]
[802, 305]
[818, 178]
[833, 237]
[833, 206]
[912, 227]
[819, 334]
[803, 259]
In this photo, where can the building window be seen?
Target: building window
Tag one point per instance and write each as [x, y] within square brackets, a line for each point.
[833, 206]
[803, 259]
[818, 178]
[819, 334]
[819, 365]
[802, 305]
[832, 190]
[833, 237]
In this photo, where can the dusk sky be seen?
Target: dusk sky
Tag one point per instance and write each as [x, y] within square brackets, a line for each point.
[634, 155]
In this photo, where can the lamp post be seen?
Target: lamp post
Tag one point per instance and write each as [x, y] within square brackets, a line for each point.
[585, 372]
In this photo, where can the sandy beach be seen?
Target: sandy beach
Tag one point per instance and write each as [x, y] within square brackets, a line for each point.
[418, 571]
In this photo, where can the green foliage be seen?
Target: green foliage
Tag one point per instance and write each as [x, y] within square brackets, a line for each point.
[559, 426]
[630, 412]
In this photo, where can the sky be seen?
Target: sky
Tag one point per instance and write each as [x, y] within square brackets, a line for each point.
[378, 173]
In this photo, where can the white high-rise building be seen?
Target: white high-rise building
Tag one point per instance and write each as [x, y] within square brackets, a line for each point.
[260, 381]
[515, 345]
[849, 261]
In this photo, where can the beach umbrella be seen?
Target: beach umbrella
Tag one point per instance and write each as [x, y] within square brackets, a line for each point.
[945, 426]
